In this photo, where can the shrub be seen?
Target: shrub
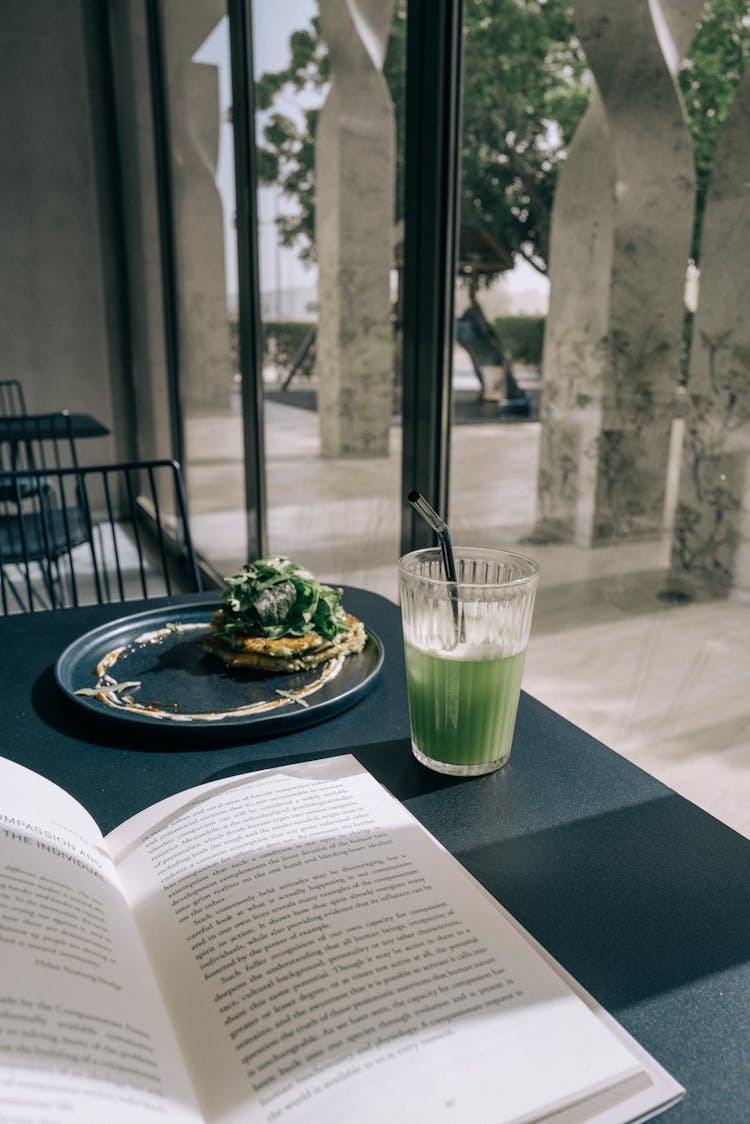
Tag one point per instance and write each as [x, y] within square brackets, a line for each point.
[522, 337]
[281, 341]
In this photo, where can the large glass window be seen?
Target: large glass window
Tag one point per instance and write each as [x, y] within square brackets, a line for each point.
[205, 284]
[329, 93]
[525, 89]
[593, 389]
[598, 402]
[329, 100]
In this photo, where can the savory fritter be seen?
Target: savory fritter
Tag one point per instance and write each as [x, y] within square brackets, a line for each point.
[287, 653]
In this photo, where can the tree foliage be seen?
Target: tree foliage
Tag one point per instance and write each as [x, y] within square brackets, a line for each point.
[525, 88]
[708, 79]
[286, 152]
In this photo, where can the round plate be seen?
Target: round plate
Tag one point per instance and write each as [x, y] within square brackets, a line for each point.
[152, 668]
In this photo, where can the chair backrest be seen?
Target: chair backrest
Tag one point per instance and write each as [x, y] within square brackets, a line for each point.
[37, 441]
[94, 534]
[12, 399]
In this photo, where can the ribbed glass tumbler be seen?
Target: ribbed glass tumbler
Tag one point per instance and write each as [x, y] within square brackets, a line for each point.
[465, 645]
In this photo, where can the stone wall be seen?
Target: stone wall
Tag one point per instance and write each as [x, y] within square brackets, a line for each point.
[59, 309]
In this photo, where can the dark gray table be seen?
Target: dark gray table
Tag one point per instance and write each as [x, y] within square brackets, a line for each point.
[45, 427]
[639, 894]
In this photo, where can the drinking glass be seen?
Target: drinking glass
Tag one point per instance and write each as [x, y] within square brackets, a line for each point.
[465, 644]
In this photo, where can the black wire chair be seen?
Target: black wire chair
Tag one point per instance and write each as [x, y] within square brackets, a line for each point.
[94, 534]
[35, 442]
[12, 398]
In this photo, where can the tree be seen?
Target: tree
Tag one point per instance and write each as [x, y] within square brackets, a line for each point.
[708, 79]
[286, 153]
[525, 88]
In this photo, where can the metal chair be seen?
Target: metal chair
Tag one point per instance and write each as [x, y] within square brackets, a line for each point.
[94, 534]
[35, 442]
[12, 399]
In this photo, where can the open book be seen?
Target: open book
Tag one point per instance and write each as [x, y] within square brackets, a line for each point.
[288, 945]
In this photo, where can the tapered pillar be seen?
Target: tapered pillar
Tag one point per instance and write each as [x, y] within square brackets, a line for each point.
[711, 545]
[354, 175]
[205, 363]
[620, 242]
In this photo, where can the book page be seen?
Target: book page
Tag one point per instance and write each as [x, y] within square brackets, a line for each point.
[84, 1037]
[317, 950]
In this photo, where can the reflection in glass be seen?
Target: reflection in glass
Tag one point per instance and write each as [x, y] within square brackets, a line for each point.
[614, 646]
[196, 45]
[326, 132]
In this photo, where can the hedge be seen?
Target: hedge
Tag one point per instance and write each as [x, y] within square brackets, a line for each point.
[281, 340]
[522, 337]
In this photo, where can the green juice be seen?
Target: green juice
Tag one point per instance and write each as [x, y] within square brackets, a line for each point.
[463, 710]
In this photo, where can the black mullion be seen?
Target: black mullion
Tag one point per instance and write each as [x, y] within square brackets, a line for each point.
[433, 88]
[165, 204]
[250, 344]
[100, 53]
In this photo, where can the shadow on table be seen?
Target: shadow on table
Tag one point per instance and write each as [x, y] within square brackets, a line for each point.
[391, 763]
[634, 902]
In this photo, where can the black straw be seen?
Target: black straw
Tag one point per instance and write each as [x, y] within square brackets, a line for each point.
[441, 529]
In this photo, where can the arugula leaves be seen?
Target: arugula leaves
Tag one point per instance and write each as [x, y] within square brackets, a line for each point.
[274, 597]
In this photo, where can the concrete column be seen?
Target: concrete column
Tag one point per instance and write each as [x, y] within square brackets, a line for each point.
[711, 544]
[206, 366]
[354, 173]
[620, 242]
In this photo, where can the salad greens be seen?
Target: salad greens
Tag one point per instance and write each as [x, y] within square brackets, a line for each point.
[274, 597]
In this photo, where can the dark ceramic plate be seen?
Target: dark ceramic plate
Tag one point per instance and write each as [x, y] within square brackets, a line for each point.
[162, 676]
